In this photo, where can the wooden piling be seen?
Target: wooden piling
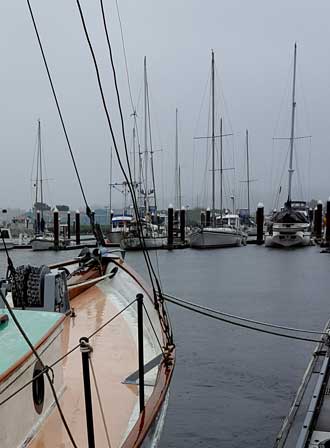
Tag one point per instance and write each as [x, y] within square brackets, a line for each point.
[318, 220]
[56, 226]
[183, 224]
[260, 223]
[208, 217]
[327, 224]
[69, 225]
[170, 216]
[38, 224]
[77, 227]
[202, 219]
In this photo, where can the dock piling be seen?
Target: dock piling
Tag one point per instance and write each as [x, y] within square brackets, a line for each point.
[260, 223]
[183, 224]
[318, 220]
[77, 227]
[208, 217]
[56, 225]
[69, 225]
[170, 226]
[327, 231]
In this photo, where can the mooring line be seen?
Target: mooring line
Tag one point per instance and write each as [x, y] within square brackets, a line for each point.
[245, 319]
[189, 307]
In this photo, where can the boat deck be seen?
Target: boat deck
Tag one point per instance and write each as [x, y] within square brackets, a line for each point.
[114, 357]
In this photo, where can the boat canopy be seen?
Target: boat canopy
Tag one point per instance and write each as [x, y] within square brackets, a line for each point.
[289, 216]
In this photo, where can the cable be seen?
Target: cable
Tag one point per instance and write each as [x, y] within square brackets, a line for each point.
[61, 358]
[129, 182]
[88, 210]
[265, 324]
[204, 313]
[45, 368]
[151, 271]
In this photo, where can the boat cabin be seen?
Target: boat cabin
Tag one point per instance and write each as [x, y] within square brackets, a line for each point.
[121, 222]
[228, 221]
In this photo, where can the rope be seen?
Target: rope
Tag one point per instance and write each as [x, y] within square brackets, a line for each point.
[100, 403]
[45, 370]
[129, 180]
[58, 107]
[205, 313]
[265, 324]
[59, 359]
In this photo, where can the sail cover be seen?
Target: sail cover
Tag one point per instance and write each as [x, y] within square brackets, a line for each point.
[289, 216]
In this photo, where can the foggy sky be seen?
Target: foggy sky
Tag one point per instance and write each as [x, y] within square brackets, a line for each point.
[253, 44]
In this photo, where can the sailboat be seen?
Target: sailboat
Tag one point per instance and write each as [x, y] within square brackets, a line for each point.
[154, 235]
[290, 226]
[225, 230]
[87, 352]
[43, 239]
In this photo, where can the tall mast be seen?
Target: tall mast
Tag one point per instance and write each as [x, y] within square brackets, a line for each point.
[179, 189]
[291, 170]
[248, 171]
[213, 141]
[134, 173]
[151, 153]
[40, 168]
[145, 137]
[221, 169]
[176, 174]
[110, 189]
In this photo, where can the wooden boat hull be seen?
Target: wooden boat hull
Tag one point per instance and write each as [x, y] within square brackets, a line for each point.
[114, 358]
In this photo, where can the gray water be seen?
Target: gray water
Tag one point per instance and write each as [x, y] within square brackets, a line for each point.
[232, 387]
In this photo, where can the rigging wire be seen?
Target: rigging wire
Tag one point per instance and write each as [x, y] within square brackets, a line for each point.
[45, 369]
[74, 348]
[88, 210]
[159, 304]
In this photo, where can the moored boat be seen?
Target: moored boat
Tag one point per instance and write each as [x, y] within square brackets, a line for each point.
[101, 289]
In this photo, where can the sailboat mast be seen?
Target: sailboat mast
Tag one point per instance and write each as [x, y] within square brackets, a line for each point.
[146, 137]
[221, 169]
[40, 168]
[110, 190]
[213, 149]
[248, 171]
[176, 180]
[134, 173]
[291, 170]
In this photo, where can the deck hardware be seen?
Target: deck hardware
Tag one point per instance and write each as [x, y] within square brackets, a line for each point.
[85, 350]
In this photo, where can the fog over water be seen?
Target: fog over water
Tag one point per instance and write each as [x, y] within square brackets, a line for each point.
[253, 44]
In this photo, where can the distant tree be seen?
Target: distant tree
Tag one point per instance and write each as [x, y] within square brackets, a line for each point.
[42, 206]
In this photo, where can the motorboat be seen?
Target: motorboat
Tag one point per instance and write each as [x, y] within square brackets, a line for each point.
[6, 240]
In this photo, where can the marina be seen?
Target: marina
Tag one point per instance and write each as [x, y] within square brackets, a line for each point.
[164, 225]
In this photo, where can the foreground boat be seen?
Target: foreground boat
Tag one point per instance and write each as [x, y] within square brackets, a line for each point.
[91, 297]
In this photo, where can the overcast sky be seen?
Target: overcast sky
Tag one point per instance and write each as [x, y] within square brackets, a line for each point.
[253, 44]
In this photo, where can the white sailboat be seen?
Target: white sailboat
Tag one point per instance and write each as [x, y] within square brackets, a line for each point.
[290, 227]
[224, 231]
[154, 236]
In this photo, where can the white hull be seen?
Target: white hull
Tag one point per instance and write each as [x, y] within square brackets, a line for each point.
[116, 237]
[133, 243]
[42, 244]
[294, 239]
[216, 238]
[288, 235]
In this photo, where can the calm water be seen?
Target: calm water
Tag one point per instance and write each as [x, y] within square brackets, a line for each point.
[232, 387]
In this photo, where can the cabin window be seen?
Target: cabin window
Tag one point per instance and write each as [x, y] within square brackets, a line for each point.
[38, 388]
